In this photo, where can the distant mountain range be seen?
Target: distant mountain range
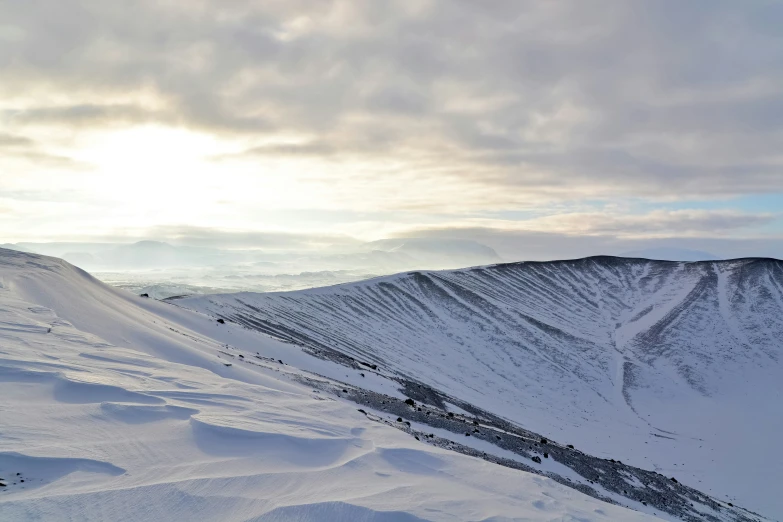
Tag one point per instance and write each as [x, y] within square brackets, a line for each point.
[439, 253]
[380, 256]
[671, 254]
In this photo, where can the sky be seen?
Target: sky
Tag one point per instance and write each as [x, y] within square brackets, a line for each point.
[573, 125]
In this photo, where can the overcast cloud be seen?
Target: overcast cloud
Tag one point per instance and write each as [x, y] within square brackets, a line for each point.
[443, 113]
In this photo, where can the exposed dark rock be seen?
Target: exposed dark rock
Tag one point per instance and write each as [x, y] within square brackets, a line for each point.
[144, 295]
[546, 455]
[421, 393]
[399, 419]
[600, 474]
[221, 321]
[410, 402]
[362, 411]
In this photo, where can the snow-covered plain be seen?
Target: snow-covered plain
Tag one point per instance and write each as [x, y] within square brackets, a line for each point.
[116, 407]
[668, 366]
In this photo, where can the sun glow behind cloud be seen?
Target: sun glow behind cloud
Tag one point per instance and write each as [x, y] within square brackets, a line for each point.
[155, 170]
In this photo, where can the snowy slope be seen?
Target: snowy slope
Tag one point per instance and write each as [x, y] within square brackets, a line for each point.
[667, 366]
[116, 407]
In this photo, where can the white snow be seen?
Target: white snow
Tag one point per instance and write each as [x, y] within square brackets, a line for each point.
[116, 407]
[673, 367]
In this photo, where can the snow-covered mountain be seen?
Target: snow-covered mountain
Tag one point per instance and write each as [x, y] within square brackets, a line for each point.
[668, 366]
[117, 407]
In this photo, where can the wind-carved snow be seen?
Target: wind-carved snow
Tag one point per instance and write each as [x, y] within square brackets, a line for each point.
[665, 365]
[116, 407]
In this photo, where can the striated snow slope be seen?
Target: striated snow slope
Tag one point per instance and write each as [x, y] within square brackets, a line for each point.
[664, 365]
[116, 407]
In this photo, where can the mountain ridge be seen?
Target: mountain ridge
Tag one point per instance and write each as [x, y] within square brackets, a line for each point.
[564, 347]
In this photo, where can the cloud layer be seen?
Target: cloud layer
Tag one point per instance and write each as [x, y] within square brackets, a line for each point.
[450, 109]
